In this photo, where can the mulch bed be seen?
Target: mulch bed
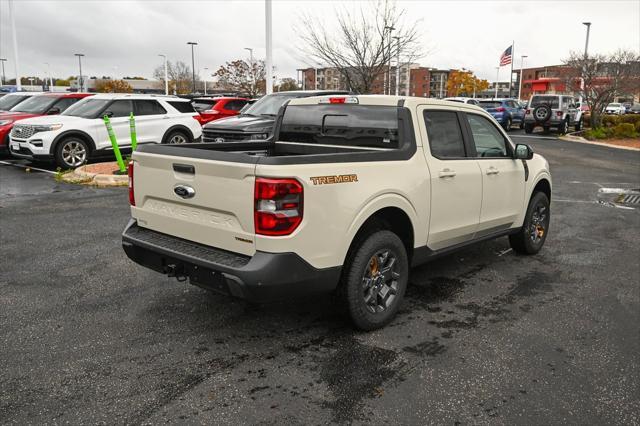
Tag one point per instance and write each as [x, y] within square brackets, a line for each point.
[101, 168]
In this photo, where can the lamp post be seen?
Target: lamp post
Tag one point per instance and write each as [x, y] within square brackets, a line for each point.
[193, 65]
[48, 75]
[80, 55]
[166, 74]
[206, 70]
[4, 78]
[521, 76]
[390, 29]
[397, 65]
[497, 77]
[253, 75]
[268, 39]
[584, 64]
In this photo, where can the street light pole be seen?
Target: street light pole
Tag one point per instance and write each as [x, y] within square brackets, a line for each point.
[48, 75]
[205, 80]
[390, 29]
[268, 39]
[586, 43]
[80, 80]
[521, 76]
[4, 78]
[166, 75]
[497, 78]
[586, 50]
[397, 65]
[15, 46]
[193, 65]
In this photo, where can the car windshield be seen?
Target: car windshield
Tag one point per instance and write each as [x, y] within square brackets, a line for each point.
[9, 101]
[490, 104]
[552, 101]
[88, 108]
[269, 105]
[35, 105]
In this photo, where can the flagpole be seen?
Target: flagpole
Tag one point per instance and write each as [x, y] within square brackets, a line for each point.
[513, 53]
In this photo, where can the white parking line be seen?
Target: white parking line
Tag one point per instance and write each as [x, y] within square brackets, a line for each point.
[27, 167]
[534, 137]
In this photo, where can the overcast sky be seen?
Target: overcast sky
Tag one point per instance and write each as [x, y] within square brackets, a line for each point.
[124, 37]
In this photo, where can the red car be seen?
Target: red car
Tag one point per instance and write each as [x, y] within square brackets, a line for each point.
[215, 108]
[45, 104]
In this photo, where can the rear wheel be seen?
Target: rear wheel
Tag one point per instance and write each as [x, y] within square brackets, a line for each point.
[578, 125]
[71, 152]
[176, 137]
[562, 128]
[375, 280]
[507, 125]
[531, 237]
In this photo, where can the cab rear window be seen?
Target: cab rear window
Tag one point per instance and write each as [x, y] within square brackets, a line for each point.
[349, 125]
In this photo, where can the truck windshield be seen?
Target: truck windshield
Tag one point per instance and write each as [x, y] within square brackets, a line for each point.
[341, 124]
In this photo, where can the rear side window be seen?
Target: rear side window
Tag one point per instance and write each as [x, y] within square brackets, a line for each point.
[349, 125]
[203, 104]
[444, 133]
[149, 107]
[184, 107]
[120, 108]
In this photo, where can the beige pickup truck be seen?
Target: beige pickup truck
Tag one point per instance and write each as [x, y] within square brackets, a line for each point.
[350, 194]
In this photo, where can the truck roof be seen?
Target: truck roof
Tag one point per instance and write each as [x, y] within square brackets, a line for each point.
[388, 101]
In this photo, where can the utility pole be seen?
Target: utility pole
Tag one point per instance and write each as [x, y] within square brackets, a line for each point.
[16, 63]
[80, 80]
[193, 66]
[397, 65]
[4, 78]
[269, 59]
[166, 76]
[521, 76]
[251, 67]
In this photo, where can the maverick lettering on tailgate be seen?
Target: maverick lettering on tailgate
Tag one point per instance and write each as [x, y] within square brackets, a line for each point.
[325, 180]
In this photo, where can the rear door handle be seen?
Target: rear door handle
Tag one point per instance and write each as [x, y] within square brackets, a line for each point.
[492, 171]
[446, 173]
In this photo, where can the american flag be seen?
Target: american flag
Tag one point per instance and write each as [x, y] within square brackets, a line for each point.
[505, 58]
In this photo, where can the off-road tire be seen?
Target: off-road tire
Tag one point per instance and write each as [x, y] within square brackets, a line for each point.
[523, 241]
[352, 288]
[578, 125]
[542, 118]
[562, 128]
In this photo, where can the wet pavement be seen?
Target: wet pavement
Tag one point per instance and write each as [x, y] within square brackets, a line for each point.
[484, 336]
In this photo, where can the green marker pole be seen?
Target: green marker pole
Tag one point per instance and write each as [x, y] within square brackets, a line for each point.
[132, 129]
[114, 143]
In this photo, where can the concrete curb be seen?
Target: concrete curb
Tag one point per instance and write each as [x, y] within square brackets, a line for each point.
[579, 139]
[81, 176]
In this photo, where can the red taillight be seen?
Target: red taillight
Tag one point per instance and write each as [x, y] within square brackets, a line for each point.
[558, 113]
[337, 100]
[500, 109]
[528, 111]
[278, 206]
[132, 198]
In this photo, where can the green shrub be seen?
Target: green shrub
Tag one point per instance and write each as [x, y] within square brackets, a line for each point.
[599, 133]
[630, 118]
[637, 125]
[610, 120]
[624, 130]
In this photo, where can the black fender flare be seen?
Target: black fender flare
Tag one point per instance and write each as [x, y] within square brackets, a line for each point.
[180, 127]
[78, 133]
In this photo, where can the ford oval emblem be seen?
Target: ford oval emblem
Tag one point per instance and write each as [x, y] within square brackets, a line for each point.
[184, 191]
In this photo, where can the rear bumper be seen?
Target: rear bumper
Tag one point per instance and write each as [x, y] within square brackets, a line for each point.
[262, 277]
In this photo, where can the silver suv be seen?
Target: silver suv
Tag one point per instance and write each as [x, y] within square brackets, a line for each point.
[552, 111]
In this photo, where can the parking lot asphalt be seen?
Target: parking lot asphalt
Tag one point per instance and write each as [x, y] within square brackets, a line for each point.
[484, 335]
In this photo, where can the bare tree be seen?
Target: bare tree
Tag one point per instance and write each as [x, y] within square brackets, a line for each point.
[180, 78]
[361, 46]
[604, 77]
[241, 76]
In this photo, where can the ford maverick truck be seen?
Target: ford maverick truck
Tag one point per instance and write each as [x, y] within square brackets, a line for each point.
[349, 194]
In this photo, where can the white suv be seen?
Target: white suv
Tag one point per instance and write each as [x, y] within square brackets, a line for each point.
[75, 136]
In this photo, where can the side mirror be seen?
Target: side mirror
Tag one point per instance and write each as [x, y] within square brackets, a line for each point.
[523, 152]
[53, 111]
[108, 114]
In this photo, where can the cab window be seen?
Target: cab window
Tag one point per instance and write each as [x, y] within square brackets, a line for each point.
[444, 133]
[488, 140]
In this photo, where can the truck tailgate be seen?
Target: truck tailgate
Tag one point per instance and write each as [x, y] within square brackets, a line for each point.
[219, 213]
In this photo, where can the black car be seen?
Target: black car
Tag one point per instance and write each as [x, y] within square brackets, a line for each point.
[256, 122]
